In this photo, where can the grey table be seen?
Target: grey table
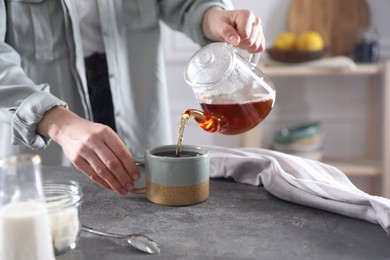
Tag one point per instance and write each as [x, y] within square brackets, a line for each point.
[238, 221]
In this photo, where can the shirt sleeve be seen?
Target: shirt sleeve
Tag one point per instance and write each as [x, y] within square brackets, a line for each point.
[22, 103]
[187, 15]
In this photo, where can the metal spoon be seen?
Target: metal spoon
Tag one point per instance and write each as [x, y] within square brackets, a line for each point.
[138, 241]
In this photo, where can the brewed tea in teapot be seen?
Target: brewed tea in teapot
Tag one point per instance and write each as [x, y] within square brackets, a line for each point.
[234, 94]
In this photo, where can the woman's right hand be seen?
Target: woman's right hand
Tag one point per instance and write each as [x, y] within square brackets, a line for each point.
[241, 28]
[94, 149]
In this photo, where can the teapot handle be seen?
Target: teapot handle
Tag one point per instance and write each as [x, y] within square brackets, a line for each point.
[254, 59]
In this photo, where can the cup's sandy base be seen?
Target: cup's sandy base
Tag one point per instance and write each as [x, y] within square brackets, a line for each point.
[177, 195]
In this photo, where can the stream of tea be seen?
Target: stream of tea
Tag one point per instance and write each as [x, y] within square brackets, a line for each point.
[183, 123]
[206, 121]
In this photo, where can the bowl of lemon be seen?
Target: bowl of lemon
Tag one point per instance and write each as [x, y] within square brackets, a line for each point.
[293, 48]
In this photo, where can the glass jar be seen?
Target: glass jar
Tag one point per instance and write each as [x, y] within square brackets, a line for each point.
[63, 200]
[366, 45]
[24, 222]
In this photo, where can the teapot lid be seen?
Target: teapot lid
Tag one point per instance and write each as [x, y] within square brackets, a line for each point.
[210, 64]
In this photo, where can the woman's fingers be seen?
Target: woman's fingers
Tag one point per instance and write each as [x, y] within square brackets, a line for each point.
[83, 166]
[122, 160]
[104, 168]
[241, 28]
[250, 30]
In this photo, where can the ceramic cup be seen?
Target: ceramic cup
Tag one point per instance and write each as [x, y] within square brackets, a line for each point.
[176, 181]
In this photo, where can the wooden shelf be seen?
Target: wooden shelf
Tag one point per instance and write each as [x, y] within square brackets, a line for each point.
[306, 70]
[357, 168]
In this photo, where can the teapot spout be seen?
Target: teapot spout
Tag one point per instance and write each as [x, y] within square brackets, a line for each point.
[206, 121]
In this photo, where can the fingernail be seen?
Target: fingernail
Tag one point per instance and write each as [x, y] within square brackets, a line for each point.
[135, 176]
[233, 39]
[129, 187]
[122, 191]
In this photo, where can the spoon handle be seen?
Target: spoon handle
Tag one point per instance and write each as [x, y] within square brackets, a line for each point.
[138, 241]
[101, 233]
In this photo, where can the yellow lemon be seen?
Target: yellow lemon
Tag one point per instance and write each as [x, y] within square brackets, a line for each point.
[285, 41]
[310, 41]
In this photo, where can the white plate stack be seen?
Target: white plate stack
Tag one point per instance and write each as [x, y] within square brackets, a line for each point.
[304, 140]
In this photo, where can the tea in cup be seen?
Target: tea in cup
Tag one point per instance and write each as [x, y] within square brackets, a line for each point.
[176, 180]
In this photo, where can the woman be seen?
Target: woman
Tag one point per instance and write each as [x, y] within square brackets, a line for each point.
[43, 87]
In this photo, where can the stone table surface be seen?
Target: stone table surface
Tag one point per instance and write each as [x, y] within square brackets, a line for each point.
[238, 221]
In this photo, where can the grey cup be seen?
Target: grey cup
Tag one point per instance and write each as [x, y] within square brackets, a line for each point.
[177, 181]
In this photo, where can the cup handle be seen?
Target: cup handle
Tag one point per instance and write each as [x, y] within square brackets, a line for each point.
[139, 161]
[139, 190]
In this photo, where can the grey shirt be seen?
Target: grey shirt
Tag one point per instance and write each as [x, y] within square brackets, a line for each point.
[41, 65]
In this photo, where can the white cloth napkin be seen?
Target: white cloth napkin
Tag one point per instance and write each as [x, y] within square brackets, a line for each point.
[298, 180]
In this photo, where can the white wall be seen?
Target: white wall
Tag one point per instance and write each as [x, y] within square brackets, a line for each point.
[346, 106]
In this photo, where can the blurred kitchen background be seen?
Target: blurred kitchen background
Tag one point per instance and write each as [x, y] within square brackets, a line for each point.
[350, 103]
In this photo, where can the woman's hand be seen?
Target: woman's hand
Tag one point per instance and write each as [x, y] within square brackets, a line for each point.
[93, 148]
[241, 28]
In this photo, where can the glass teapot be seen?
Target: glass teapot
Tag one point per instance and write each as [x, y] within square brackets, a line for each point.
[235, 95]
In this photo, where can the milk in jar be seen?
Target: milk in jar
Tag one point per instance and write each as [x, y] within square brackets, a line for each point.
[25, 232]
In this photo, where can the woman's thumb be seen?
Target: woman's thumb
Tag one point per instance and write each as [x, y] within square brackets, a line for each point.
[230, 35]
[233, 38]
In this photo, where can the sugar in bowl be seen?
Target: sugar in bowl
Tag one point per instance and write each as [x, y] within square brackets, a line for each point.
[63, 200]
